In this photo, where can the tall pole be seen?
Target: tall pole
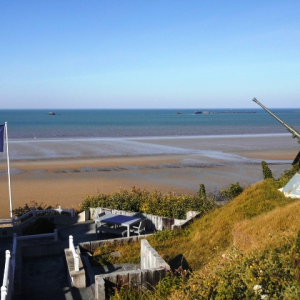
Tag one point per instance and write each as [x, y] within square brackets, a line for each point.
[8, 171]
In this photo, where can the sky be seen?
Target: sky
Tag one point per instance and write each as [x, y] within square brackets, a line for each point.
[149, 54]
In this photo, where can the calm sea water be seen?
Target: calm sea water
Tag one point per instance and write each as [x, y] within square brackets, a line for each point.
[26, 124]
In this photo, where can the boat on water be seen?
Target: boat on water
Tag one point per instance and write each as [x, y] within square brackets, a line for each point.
[197, 112]
[52, 113]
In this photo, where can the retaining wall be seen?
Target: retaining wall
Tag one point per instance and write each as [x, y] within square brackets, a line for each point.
[153, 222]
[93, 245]
[153, 269]
[150, 258]
[58, 216]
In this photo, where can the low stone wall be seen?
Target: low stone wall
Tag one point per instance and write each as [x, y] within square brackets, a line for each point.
[146, 279]
[153, 268]
[153, 222]
[56, 219]
[150, 258]
[75, 278]
[191, 215]
[93, 245]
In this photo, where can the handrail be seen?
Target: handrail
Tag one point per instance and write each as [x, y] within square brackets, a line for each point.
[9, 271]
[13, 256]
[42, 235]
[75, 255]
[5, 284]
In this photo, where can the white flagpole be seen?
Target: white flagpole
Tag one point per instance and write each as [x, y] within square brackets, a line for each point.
[8, 170]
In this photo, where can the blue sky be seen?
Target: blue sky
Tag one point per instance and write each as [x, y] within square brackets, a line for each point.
[149, 54]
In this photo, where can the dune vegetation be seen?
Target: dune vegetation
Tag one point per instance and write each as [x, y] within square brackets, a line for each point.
[246, 249]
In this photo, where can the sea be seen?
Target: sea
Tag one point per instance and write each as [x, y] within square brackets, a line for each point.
[75, 133]
[99, 123]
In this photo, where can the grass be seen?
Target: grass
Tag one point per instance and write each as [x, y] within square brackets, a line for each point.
[229, 225]
[247, 249]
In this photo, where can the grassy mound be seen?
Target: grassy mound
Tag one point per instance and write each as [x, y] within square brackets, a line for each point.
[247, 249]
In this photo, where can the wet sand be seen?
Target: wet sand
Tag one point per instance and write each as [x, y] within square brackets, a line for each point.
[166, 164]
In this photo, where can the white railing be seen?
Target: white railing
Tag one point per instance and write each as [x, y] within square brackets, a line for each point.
[37, 236]
[34, 212]
[5, 288]
[10, 263]
[9, 272]
[75, 255]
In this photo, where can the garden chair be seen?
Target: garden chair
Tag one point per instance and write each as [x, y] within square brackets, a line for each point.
[139, 229]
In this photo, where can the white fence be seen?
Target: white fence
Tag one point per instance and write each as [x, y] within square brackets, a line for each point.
[9, 272]
[34, 212]
[75, 255]
[10, 261]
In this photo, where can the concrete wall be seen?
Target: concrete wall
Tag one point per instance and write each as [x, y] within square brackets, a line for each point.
[62, 219]
[150, 258]
[6, 231]
[153, 222]
[83, 216]
[153, 269]
[29, 249]
[93, 245]
[147, 279]
[76, 278]
[42, 249]
[56, 219]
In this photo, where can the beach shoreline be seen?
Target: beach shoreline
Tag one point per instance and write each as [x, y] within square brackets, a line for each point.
[170, 165]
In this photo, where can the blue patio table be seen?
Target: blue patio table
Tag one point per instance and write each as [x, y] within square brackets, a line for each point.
[119, 220]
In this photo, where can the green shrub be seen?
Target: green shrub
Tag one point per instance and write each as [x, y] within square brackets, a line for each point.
[39, 226]
[156, 203]
[264, 275]
[20, 211]
[267, 173]
[202, 192]
[288, 174]
[172, 281]
[233, 190]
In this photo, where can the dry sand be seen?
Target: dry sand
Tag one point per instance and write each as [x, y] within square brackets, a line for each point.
[214, 161]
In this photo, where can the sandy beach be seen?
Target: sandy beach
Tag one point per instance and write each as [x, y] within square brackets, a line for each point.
[178, 164]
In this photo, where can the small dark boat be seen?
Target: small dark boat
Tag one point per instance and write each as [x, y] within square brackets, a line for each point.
[197, 112]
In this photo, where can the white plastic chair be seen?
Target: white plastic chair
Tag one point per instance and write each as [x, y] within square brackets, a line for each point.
[140, 228]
